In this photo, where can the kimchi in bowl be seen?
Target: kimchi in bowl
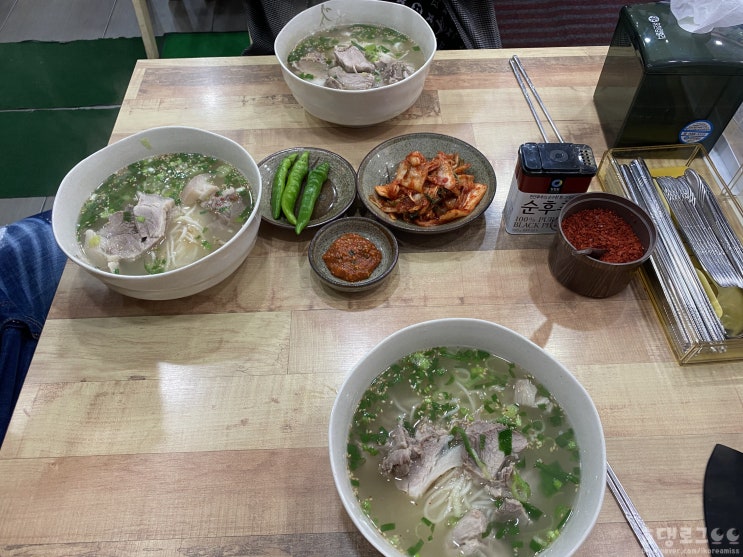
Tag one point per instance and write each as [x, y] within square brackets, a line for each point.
[434, 210]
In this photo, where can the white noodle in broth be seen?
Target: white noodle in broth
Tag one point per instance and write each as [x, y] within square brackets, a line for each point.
[457, 452]
[163, 213]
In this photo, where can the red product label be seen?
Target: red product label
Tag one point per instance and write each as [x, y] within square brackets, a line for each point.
[551, 183]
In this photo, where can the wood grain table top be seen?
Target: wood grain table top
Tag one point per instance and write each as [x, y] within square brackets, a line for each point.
[199, 426]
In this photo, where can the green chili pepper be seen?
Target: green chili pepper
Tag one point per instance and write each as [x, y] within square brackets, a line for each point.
[457, 430]
[279, 183]
[519, 487]
[312, 189]
[293, 185]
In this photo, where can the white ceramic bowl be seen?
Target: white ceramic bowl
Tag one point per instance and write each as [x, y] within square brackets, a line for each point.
[88, 174]
[503, 342]
[356, 108]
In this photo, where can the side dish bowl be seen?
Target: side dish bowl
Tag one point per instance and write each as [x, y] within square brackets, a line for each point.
[370, 229]
[88, 174]
[498, 340]
[356, 108]
[337, 194]
[380, 165]
[586, 274]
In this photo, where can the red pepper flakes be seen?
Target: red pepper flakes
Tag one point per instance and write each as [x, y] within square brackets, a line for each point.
[603, 229]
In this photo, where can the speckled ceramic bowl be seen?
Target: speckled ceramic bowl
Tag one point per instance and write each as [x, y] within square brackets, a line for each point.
[337, 194]
[373, 231]
[380, 164]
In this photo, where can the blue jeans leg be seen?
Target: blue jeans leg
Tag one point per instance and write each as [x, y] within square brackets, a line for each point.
[31, 264]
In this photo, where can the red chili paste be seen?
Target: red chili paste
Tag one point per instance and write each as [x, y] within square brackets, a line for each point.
[352, 257]
[603, 229]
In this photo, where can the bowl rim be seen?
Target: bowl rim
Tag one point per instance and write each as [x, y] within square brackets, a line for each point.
[335, 282]
[593, 491]
[350, 92]
[120, 145]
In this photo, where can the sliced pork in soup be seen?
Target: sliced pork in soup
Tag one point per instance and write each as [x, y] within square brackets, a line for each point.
[356, 57]
[162, 213]
[456, 452]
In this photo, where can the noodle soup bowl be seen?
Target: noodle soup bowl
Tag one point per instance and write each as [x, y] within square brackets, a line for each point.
[511, 346]
[361, 107]
[87, 175]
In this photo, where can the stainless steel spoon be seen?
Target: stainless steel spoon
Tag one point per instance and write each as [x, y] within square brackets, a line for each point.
[596, 253]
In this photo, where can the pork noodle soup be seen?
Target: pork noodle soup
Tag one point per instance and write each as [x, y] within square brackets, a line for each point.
[356, 57]
[162, 213]
[454, 451]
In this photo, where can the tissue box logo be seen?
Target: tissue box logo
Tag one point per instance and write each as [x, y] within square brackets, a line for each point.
[657, 27]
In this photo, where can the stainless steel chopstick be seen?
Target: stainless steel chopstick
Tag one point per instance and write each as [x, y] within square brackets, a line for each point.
[649, 545]
[520, 81]
[670, 259]
[523, 80]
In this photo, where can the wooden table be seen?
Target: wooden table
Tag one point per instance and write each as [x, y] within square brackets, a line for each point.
[199, 426]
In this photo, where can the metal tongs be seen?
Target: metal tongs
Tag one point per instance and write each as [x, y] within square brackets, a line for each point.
[649, 545]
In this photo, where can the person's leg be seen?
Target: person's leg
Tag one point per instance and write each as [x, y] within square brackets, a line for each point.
[31, 265]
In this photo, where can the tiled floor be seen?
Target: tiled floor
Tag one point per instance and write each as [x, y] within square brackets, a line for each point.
[72, 20]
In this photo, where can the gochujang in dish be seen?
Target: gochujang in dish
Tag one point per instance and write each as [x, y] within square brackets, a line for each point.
[352, 257]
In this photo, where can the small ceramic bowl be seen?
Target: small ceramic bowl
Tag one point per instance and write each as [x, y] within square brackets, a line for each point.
[337, 194]
[370, 229]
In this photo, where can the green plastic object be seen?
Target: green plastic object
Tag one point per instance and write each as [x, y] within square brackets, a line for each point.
[662, 85]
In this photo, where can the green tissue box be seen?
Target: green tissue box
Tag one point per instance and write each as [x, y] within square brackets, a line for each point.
[662, 85]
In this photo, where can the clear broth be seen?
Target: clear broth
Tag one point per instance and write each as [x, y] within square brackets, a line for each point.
[376, 42]
[451, 386]
[192, 231]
